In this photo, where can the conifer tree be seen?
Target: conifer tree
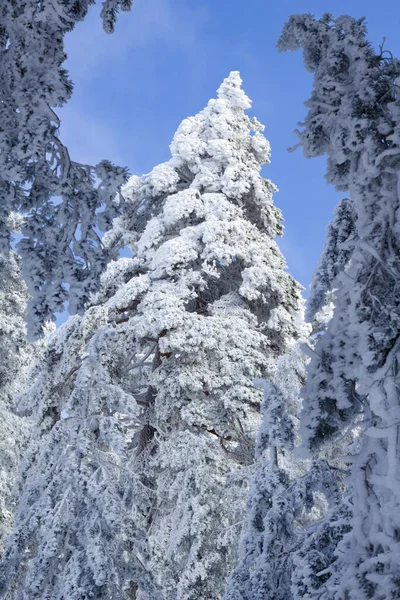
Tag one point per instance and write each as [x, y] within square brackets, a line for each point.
[320, 419]
[76, 533]
[315, 548]
[296, 512]
[354, 118]
[225, 310]
[14, 360]
[150, 397]
[339, 245]
[290, 498]
[64, 208]
[275, 498]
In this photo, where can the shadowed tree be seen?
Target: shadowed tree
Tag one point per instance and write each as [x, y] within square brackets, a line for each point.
[66, 204]
[354, 118]
[15, 356]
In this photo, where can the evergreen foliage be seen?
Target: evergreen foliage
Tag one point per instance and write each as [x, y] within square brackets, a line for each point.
[171, 441]
[275, 498]
[76, 533]
[135, 482]
[220, 309]
[340, 239]
[15, 356]
[65, 203]
[291, 500]
[326, 387]
[354, 118]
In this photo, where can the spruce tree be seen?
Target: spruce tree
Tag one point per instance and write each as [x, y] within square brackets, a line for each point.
[150, 397]
[314, 551]
[65, 203]
[354, 118]
[220, 310]
[290, 499]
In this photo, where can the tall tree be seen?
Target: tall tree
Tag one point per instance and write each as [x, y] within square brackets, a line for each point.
[291, 500]
[157, 379]
[315, 546]
[219, 310]
[64, 207]
[264, 563]
[76, 534]
[15, 355]
[354, 118]
[326, 388]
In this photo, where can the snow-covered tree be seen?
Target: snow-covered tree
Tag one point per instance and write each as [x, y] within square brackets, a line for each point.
[219, 310]
[150, 397]
[339, 246]
[264, 565]
[65, 203]
[354, 118]
[14, 360]
[76, 533]
[292, 531]
[326, 385]
[317, 545]
[295, 514]
[288, 496]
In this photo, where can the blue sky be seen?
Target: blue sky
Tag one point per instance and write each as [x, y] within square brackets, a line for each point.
[168, 57]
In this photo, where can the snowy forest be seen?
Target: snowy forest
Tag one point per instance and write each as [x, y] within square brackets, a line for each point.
[197, 429]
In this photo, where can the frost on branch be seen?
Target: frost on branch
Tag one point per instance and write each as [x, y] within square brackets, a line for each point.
[15, 356]
[282, 500]
[66, 204]
[76, 531]
[354, 118]
[327, 388]
[339, 245]
[110, 10]
[295, 513]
